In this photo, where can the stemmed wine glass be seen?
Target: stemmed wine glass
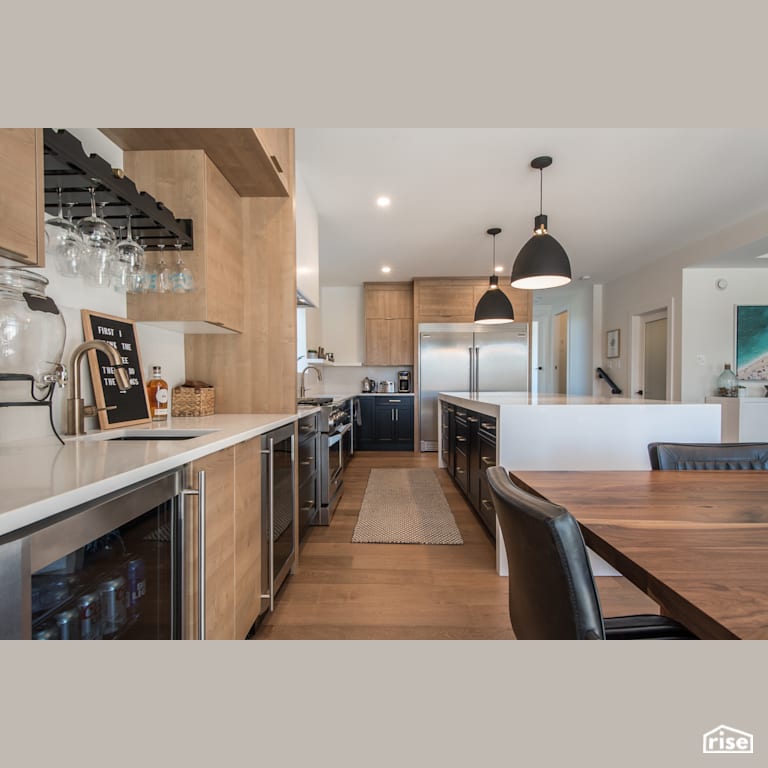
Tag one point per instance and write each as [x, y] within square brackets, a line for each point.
[128, 273]
[163, 278]
[100, 241]
[64, 243]
[182, 279]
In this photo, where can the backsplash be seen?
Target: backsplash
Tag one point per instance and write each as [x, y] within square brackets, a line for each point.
[348, 379]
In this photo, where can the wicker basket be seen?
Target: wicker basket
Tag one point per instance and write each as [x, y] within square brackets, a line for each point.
[193, 398]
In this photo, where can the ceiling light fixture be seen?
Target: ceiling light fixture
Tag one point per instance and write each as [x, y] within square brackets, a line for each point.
[494, 307]
[386, 270]
[542, 261]
[383, 201]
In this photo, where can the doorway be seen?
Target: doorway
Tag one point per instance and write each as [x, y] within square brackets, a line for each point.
[560, 350]
[652, 380]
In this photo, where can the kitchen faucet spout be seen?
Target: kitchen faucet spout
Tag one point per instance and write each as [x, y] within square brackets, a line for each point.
[76, 409]
[304, 380]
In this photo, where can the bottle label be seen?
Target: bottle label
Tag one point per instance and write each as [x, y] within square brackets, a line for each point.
[161, 395]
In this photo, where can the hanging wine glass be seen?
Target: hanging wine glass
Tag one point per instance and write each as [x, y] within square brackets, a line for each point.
[182, 279]
[130, 258]
[163, 281]
[64, 243]
[100, 241]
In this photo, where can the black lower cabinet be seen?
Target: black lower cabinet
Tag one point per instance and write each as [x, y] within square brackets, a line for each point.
[387, 424]
[471, 449]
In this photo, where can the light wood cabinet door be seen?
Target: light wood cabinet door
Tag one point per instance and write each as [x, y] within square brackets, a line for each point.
[247, 535]
[22, 235]
[446, 301]
[193, 188]
[388, 300]
[401, 341]
[219, 546]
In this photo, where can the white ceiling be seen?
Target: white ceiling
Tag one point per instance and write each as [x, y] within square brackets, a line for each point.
[616, 198]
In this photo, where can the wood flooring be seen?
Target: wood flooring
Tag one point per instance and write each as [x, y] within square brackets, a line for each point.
[345, 591]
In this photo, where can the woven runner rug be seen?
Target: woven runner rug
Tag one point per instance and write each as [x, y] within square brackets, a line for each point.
[405, 506]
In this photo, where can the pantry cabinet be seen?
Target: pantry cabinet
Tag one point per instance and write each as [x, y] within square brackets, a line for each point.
[388, 323]
[22, 227]
[189, 183]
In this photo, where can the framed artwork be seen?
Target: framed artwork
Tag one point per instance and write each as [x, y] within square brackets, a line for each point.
[752, 342]
[612, 343]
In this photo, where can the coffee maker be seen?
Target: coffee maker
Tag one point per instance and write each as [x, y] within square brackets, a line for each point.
[403, 381]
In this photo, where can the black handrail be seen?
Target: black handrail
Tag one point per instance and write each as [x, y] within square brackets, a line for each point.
[601, 374]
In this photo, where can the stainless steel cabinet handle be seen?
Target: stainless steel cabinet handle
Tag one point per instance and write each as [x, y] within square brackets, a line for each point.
[271, 480]
[200, 493]
[472, 419]
[471, 370]
[487, 504]
[488, 462]
[309, 505]
[477, 370]
[397, 415]
[488, 425]
[308, 462]
[461, 439]
[394, 401]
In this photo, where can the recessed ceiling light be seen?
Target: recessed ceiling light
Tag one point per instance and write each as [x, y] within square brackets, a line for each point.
[386, 270]
[383, 201]
[499, 268]
[585, 277]
[764, 256]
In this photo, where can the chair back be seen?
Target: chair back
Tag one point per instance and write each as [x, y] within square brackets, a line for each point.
[708, 455]
[552, 593]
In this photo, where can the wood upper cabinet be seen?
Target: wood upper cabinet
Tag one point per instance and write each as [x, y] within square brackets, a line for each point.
[247, 535]
[388, 323]
[22, 225]
[188, 183]
[453, 300]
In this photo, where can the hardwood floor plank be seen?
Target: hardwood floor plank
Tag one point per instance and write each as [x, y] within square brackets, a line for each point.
[345, 591]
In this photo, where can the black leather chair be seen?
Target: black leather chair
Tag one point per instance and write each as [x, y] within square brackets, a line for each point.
[552, 592]
[708, 455]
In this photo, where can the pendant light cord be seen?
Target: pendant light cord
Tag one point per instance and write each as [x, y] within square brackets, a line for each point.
[541, 191]
[494, 254]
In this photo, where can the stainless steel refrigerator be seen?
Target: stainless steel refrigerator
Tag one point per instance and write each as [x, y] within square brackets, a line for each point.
[463, 357]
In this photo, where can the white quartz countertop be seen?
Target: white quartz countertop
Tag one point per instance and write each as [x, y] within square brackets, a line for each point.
[41, 477]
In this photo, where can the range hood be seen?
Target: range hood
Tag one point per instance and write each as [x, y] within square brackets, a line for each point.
[302, 300]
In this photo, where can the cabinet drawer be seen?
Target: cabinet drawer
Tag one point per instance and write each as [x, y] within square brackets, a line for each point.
[485, 507]
[308, 426]
[460, 469]
[307, 455]
[308, 503]
[487, 451]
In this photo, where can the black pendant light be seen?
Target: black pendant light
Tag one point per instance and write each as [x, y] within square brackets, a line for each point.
[494, 307]
[542, 261]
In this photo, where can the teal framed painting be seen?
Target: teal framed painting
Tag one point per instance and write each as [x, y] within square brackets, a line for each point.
[752, 342]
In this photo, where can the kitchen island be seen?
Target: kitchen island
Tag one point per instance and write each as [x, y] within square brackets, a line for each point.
[575, 432]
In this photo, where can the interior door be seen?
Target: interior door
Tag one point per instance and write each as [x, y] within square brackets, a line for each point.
[444, 367]
[560, 349]
[655, 359]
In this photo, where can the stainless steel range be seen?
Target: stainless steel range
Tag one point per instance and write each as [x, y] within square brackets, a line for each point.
[335, 439]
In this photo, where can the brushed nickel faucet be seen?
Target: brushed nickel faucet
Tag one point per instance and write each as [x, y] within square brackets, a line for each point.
[304, 380]
[76, 409]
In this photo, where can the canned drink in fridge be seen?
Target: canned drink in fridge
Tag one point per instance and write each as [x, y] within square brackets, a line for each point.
[89, 607]
[113, 614]
[137, 585]
[46, 632]
[68, 623]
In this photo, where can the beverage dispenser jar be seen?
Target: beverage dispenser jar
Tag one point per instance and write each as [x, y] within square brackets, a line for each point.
[32, 330]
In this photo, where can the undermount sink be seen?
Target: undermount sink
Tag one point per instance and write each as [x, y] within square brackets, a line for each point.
[157, 434]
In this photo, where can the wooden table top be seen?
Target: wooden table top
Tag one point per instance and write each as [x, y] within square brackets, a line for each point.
[696, 542]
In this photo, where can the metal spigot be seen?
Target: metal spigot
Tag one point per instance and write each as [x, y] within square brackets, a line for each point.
[303, 379]
[76, 409]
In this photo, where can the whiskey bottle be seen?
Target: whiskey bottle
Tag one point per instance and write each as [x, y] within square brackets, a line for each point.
[157, 393]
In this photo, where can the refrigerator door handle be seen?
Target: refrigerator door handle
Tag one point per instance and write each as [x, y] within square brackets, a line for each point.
[471, 370]
[477, 370]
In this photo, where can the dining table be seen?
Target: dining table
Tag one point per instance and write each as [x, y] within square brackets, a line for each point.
[696, 542]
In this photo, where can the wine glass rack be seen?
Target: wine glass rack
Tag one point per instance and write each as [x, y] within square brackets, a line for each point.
[67, 167]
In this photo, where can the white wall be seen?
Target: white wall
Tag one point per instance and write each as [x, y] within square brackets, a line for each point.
[659, 285]
[307, 243]
[156, 347]
[708, 318]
